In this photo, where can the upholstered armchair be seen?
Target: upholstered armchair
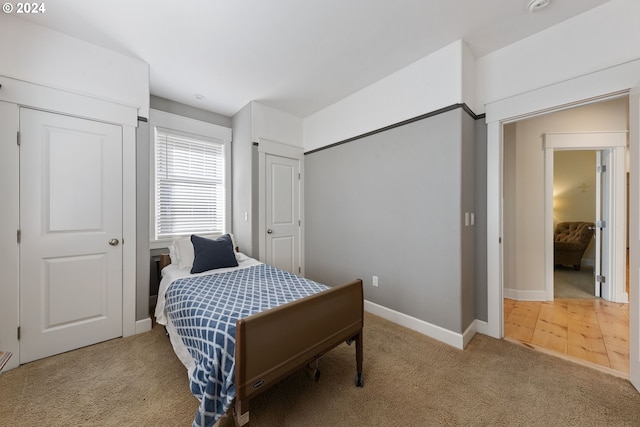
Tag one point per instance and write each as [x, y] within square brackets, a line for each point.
[570, 241]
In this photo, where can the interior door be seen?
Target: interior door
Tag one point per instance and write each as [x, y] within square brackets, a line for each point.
[283, 212]
[603, 222]
[71, 228]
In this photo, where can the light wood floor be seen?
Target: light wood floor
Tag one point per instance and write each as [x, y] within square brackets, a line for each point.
[592, 332]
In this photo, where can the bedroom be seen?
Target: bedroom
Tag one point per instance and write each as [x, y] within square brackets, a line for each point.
[453, 309]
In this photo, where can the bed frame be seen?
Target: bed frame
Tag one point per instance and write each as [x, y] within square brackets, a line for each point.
[273, 344]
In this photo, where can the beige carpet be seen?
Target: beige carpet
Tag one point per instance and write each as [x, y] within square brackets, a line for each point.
[410, 380]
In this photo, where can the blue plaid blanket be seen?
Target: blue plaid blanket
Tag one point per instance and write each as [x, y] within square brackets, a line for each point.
[204, 311]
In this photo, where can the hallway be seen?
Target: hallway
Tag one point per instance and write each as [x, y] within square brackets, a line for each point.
[592, 332]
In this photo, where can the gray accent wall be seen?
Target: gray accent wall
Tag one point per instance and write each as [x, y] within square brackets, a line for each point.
[143, 260]
[392, 205]
[468, 235]
[480, 267]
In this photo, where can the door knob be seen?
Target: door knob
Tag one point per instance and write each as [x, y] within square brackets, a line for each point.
[114, 242]
[269, 231]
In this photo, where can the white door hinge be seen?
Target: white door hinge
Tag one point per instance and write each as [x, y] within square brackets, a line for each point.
[19, 236]
[18, 138]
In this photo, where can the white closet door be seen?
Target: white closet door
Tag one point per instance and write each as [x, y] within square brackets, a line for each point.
[71, 233]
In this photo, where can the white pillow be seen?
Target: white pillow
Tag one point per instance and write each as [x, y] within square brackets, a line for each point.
[184, 249]
[175, 259]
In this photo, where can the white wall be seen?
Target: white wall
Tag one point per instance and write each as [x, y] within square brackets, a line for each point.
[39, 55]
[468, 79]
[275, 125]
[597, 39]
[433, 82]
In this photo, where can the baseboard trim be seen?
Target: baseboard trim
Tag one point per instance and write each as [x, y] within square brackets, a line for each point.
[469, 333]
[520, 295]
[588, 262]
[143, 325]
[433, 331]
[482, 327]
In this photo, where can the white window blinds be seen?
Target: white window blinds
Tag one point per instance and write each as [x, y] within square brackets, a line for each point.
[190, 187]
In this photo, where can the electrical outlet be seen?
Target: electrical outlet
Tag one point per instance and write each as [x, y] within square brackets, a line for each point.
[375, 281]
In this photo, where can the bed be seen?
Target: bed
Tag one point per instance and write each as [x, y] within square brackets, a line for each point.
[242, 326]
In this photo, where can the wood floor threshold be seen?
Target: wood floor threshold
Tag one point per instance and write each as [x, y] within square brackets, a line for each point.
[564, 356]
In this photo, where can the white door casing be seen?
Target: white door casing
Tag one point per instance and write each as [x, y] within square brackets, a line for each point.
[71, 221]
[607, 83]
[281, 205]
[611, 242]
[604, 84]
[13, 94]
[9, 223]
[634, 236]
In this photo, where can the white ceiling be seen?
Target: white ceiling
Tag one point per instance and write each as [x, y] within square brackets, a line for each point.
[296, 55]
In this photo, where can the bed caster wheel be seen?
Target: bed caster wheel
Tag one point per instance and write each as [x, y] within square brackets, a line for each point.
[359, 380]
[313, 369]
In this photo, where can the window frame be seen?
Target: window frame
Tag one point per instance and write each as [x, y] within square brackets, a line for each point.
[194, 128]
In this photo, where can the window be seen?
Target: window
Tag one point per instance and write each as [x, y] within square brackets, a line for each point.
[190, 194]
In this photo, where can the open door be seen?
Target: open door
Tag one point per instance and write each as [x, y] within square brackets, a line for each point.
[634, 236]
[603, 220]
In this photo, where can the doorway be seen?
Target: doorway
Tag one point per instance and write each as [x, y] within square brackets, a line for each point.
[574, 219]
[283, 213]
[609, 211]
[22, 94]
[531, 315]
[606, 84]
[280, 170]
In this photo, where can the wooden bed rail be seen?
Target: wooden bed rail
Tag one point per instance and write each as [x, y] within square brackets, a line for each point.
[275, 343]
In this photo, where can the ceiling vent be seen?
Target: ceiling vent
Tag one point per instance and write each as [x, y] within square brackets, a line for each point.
[535, 5]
